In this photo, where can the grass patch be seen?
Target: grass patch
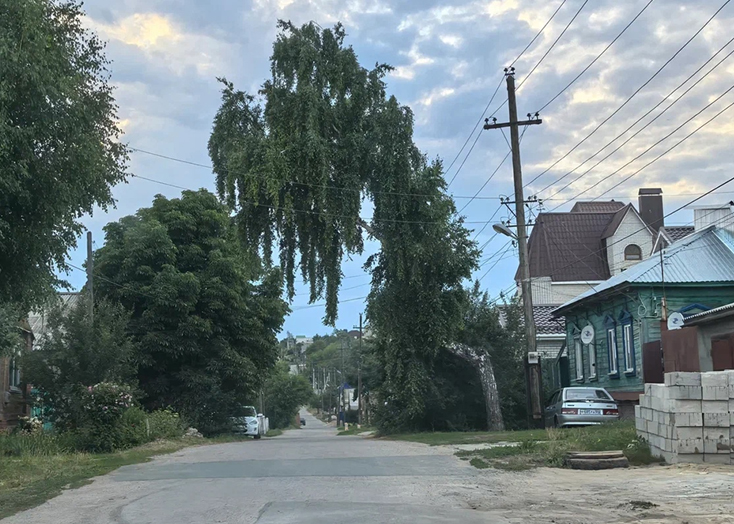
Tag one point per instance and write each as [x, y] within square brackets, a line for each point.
[440, 438]
[354, 430]
[552, 448]
[274, 432]
[33, 472]
[479, 463]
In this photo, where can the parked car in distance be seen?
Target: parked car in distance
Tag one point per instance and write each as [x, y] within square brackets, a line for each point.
[246, 423]
[303, 421]
[580, 406]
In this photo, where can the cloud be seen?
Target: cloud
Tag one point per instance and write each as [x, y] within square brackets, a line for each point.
[449, 56]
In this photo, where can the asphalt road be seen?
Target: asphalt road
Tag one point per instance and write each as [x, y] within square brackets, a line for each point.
[306, 476]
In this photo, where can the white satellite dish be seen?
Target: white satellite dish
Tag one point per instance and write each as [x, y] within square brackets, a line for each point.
[676, 320]
[587, 334]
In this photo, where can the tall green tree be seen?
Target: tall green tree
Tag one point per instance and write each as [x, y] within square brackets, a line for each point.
[296, 172]
[59, 148]
[283, 394]
[204, 322]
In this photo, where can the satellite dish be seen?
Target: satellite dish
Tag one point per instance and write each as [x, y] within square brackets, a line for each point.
[587, 334]
[675, 320]
[503, 230]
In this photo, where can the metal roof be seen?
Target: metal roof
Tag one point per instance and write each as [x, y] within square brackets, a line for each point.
[705, 256]
[711, 314]
[545, 323]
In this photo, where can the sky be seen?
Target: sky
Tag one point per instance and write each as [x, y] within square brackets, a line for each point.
[449, 58]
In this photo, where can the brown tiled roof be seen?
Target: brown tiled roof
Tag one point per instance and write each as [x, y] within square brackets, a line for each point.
[568, 246]
[678, 232]
[616, 220]
[597, 207]
[545, 324]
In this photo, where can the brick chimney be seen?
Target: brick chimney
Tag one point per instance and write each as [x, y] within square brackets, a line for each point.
[650, 206]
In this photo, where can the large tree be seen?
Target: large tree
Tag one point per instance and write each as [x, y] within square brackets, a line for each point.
[297, 171]
[59, 149]
[204, 321]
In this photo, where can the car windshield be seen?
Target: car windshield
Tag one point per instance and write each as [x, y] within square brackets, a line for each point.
[248, 411]
[587, 394]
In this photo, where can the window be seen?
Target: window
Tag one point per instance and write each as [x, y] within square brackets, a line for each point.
[633, 252]
[586, 394]
[591, 350]
[579, 357]
[629, 348]
[14, 373]
[612, 348]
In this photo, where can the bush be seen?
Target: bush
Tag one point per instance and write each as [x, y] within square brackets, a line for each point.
[40, 443]
[134, 428]
[165, 423]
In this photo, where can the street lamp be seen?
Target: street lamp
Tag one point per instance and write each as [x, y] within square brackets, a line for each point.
[502, 229]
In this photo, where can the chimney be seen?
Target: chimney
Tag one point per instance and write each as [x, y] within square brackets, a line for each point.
[650, 204]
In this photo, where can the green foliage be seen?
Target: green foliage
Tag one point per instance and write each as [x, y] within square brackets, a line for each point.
[76, 355]
[283, 394]
[38, 443]
[165, 424]
[205, 332]
[10, 339]
[59, 141]
[296, 170]
[505, 347]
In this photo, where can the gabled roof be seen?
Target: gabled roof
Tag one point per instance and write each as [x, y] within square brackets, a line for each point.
[568, 247]
[675, 233]
[617, 220]
[703, 257]
[597, 207]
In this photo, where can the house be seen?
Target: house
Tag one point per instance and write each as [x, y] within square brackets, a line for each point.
[713, 333]
[14, 391]
[571, 252]
[614, 330]
[13, 403]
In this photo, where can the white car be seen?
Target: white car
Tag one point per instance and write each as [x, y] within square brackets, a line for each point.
[247, 423]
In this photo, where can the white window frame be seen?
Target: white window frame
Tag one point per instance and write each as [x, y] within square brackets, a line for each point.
[612, 349]
[629, 348]
[14, 375]
[579, 356]
[591, 350]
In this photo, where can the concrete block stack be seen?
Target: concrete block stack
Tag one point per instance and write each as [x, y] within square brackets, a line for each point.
[689, 418]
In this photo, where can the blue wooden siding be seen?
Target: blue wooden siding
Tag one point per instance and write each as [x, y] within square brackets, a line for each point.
[641, 307]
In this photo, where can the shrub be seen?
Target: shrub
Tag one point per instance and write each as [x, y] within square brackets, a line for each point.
[165, 423]
[39, 443]
[133, 427]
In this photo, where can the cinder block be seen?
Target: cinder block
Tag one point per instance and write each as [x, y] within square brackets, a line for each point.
[717, 458]
[693, 445]
[689, 419]
[714, 406]
[640, 424]
[667, 431]
[715, 392]
[730, 374]
[716, 420]
[690, 458]
[715, 378]
[669, 456]
[647, 413]
[643, 435]
[688, 433]
[638, 411]
[683, 378]
[645, 401]
[657, 390]
[716, 440]
[686, 406]
[648, 388]
[685, 392]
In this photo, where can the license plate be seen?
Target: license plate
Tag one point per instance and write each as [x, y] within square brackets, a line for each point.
[590, 412]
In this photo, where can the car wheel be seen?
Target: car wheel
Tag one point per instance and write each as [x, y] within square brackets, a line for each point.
[257, 437]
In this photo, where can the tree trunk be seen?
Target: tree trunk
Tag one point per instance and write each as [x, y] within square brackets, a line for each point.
[481, 360]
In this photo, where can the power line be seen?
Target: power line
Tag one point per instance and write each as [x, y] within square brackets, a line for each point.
[558, 38]
[308, 212]
[652, 146]
[306, 184]
[549, 102]
[491, 99]
[663, 99]
[493, 265]
[556, 162]
[476, 139]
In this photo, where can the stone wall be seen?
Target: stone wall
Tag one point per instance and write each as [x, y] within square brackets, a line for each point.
[689, 418]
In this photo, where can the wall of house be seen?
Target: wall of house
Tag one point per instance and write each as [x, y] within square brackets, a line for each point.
[643, 305]
[549, 347]
[631, 230]
[706, 332]
[546, 292]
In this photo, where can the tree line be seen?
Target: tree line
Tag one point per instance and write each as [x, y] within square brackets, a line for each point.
[188, 296]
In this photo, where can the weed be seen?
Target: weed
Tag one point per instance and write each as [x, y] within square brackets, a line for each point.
[479, 463]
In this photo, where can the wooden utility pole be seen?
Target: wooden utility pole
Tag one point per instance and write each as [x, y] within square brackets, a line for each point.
[534, 386]
[90, 277]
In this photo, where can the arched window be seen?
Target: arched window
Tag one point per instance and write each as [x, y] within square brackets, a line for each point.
[633, 252]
